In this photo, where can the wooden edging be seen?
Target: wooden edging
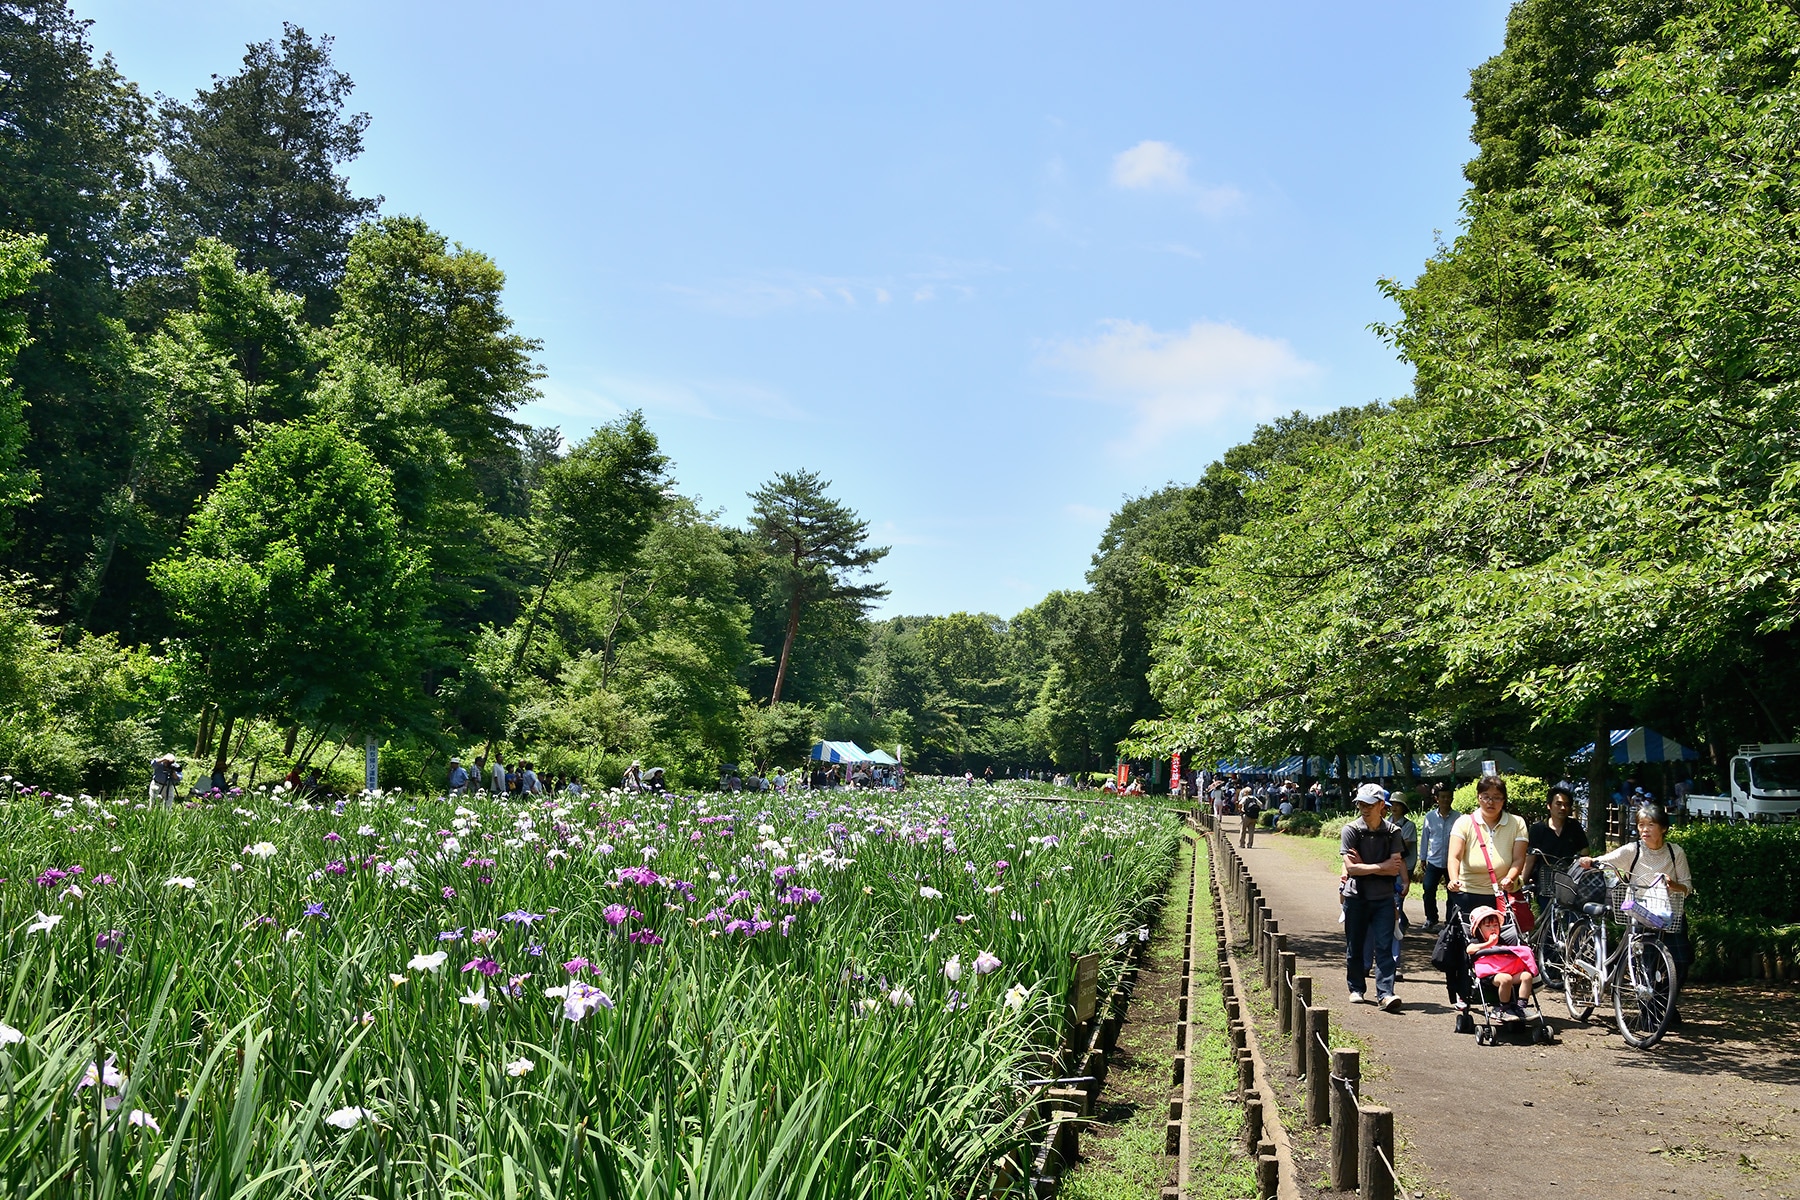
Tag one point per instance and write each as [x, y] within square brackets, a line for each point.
[1263, 1130]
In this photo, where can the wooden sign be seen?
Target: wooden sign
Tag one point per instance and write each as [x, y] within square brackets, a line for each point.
[1087, 986]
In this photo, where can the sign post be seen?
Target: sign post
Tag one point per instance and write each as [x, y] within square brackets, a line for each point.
[1175, 773]
[1087, 986]
[371, 764]
[1124, 776]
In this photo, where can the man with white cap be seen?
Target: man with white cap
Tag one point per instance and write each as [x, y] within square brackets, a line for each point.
[1374, 856]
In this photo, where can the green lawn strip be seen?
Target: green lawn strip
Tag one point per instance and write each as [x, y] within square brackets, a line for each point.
[1217, 1167]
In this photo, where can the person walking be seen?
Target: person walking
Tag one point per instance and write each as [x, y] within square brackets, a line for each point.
[1250, 808]
[1488, 850]
[1374, 856]
[498, 775]
[1559, 838]
[459, 777]
[1434, 851]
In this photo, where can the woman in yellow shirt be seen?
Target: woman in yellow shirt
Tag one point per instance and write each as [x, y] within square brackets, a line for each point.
[1488, 836]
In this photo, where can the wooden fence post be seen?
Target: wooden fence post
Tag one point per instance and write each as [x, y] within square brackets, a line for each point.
[1318, 1065]
[1284, 986]
[1297, 1050]
[1346, 1071]
[1375, 1150]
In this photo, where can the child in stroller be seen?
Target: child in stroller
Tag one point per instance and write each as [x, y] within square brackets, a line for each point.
[1488, 953]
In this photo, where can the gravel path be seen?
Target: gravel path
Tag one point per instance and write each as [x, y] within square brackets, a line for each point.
[1712, 1111]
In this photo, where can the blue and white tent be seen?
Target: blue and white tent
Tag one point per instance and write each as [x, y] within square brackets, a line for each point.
[839, 752]
[1640, 745]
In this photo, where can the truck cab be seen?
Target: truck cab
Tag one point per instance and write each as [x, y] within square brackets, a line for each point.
[1765, 786]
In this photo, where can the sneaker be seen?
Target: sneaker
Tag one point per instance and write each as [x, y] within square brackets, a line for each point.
[1389, 1003]
[1495, 1014]
[1433, 926]
[1399, 975]
[1357, 998]
[1512, 1012]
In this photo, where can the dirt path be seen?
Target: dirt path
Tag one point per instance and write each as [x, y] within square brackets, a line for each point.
[1713, 1111]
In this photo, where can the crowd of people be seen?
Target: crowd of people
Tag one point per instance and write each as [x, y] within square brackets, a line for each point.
[514, 780]
[1486, 872]
[1490, 866]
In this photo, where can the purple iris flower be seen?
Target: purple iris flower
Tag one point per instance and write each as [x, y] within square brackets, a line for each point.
[520, 917]
[317, 911]
[113, 940]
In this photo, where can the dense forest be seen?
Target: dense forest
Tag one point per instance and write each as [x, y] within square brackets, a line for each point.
[1585, 513]
[265, 492]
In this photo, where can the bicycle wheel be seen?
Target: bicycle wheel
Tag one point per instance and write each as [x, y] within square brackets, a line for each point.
[1581, 978]
[1548, 942]
[1644, 992]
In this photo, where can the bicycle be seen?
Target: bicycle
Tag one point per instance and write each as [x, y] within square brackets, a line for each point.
[1561, 909]
[1638, 970]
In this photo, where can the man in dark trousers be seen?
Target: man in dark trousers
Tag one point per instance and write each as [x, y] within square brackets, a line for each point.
[1374, 856]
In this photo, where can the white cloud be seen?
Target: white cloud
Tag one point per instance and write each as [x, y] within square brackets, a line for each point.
[1186, 378]
[1152, 166]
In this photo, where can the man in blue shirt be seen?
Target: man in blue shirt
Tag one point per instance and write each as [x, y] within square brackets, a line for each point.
[1434, 849]
[459, 778]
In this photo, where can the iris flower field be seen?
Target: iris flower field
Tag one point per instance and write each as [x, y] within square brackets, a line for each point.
[835, 994]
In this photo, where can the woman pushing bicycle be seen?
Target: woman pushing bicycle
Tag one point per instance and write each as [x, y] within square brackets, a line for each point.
[1650, 860]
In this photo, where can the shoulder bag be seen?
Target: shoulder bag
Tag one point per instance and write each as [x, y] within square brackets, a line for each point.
[1521, 913]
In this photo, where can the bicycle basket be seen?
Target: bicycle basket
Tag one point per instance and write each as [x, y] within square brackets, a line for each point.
[1645, 906]
[1582, 887]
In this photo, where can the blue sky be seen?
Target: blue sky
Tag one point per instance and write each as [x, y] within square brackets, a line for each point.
[989, 268]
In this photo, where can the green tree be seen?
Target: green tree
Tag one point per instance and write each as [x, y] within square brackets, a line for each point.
[73, 146]
[1539, 91]
[430, 310]
[241, 356]
[254, 162]
[298, 596]
[21, 261]
[813, 544]
[592, 510]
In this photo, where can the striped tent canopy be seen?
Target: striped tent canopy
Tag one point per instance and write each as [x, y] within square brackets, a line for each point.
[839, 752]
[1468, 762]
[1372, 766]
[881, 756]
[1244, 766]
[1640, 745]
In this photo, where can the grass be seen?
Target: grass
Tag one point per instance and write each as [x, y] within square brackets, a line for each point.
[825, 995]
[1217, 1169]
[1134, 1164]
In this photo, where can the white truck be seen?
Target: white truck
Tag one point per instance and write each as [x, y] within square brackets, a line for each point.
[1765, 786]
